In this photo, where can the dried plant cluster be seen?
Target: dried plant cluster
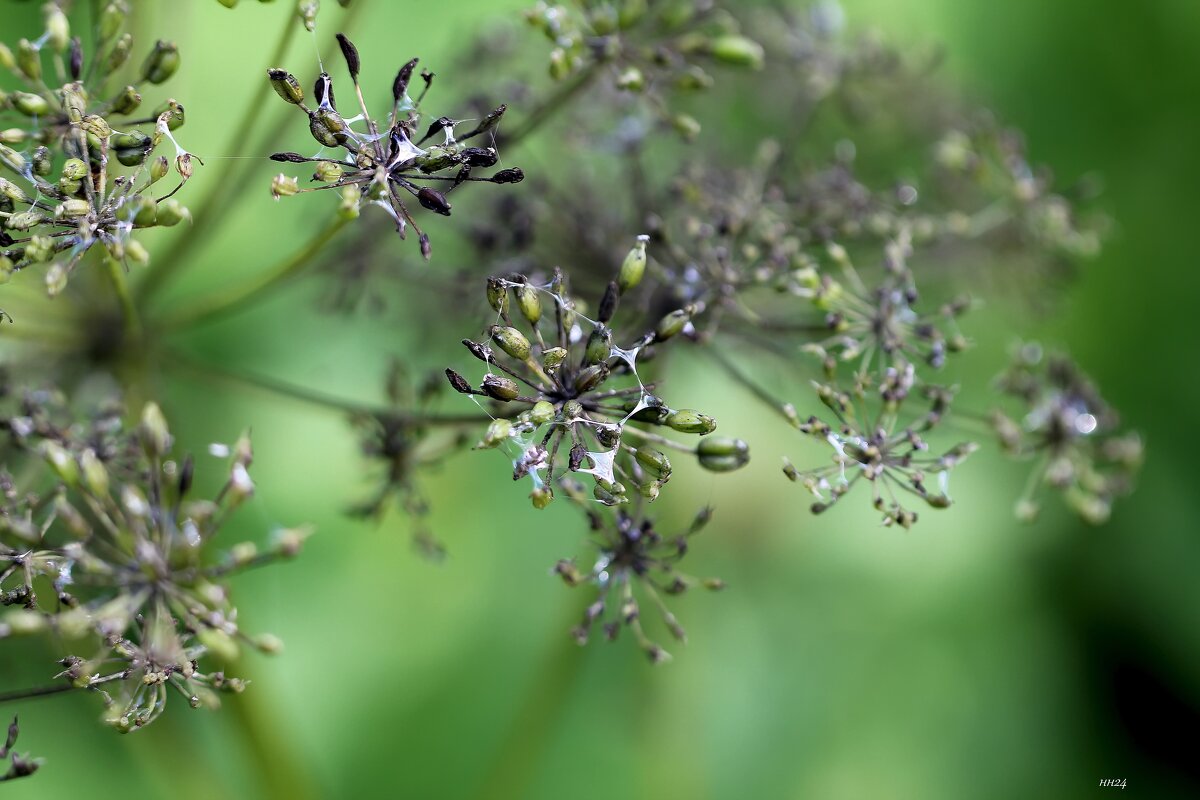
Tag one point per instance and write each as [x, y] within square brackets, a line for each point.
[767, 236]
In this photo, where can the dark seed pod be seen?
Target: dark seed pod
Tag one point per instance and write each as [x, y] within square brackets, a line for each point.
[400, 84]
[458, 382]
[350, 53]
[323, 91]
[511, 175]
[480, 156]
[608, 303]
[290, 158]
[434, 201]
[76, 58]
[487, 123]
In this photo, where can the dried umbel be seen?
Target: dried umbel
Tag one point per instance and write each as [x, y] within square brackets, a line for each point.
[388, 166]
[67, 192]
[140, 599]
[1064, 426]
[570, 398]
[633, 567]
[646, 48]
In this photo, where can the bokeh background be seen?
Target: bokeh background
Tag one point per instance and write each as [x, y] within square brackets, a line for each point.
[968, 657]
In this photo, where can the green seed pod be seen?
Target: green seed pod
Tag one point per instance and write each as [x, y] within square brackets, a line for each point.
[25, 220]
[136, 253]
[12, 159]
[286, 86]
[687, 126]
[153, 432]
[31, 105]
[95, 476]
[599, 345]
[560, 65]
[40, 249]
[349, 207]
[500, 388]
[96, 125]
[694, 79]
[56, 279]
[328, 172]
[284, 186]
[497, 295]
[131, 156]
[127, 101]
[686, 420]
[112, 18]
[541, 497]
[14, 192]
[7, 268]
[738, 51]
[672, 324]
[529, 303]
[74, 170]
[119, 54]
[655, 462]
[12, 135]
[7, 61]
[572, 410]
[591, 377]
[42, 162]
[328, 128]
[58, 29]
[498, 432]
[511, 341]
[633, 268]
[73, 208]
[61, 461]
[162, 62]
[29, 60]
[172, 113]
[553, 358]
[722, 453]
[542, 412]
[159, 168]
[171, 212]
[631, 80]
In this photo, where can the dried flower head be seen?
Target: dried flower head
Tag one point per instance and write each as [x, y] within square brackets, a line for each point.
[1065, 426]
[140, 595]
[585, 403]
[382, 167]
[633, 564]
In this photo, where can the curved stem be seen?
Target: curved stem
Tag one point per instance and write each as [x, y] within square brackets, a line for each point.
[547, 107]
[225, 302]
[36, 691]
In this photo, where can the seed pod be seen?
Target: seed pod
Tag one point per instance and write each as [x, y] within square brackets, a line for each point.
[162, 62]
[511, 175]
[73, 208]
[348, 208]
[12, 159]
[541, 497]
[739, 51]
[170, 112]
[171, 212]
[284, 186]
[458, 382]
[511, 341]
[95, 476]
[479, 156]
[350, 53]
[655, 462]
[31, 105]
[672, 324]
[153, 431]
[529, 303]
[323, 91]
[159, 169]
[497, 295]
[29, 61]
[7, 61]
[400, 84]
[722, 453]
[96, 125]
[119, 54]
[631, 80]
[599, 345]
[687, 420]
[498, 432]
[328, 128]
[307, 10]
[127, 101]
[553, 358]
[286, 86]
[328, 172]
[500, 388]
[591, 377]
[633, 268]
[542, 412]
[487, 123]
[608, 303]
[687, 126]
[183, 165]
[434, 201]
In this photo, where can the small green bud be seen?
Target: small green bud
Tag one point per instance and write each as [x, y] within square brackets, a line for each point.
[159, 168]
[722, 453]
[349, 207]
[687, 126]
[553, 358]
[12, 159]
[153, 431]
[24, 221]
[74, 169]
[328, 172]
[655, 462]
[12, 135]
[541, 497]
[286, 86]
[633, 268]
[13, 192]
[6, 58]
[136, 253]
[497, 295]
[31, 105]
[96, 125]
[162, 62]
[511, 341]
[40, 249]
[739, 51]
[119, 53]
[95, 476]
[498, 432]
[686, 420]
[560, 65]
[172, 113]
[140, 209]
[127, 101]
[171, 212]
[112, 18]
[73, 208]
[674, 323]
[328, 128]
[58, 29]
[29, 60]
[284, 186]
[500, 388]
[591, 377]
[529, 303]
[542, 412]
[56, 279]
[61, 461]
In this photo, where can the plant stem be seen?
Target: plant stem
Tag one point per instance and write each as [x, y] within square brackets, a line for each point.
[36, 691]
[223, 303]
[551, 104]
[735, 372]
[133, 324]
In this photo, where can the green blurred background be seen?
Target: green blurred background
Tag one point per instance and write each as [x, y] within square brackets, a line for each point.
[969, 657]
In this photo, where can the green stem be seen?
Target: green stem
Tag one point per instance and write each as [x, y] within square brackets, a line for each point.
[37, 691]
[551, 104]
[659, 440]
[129, 311]
[228, 301]
[735, 372]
